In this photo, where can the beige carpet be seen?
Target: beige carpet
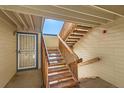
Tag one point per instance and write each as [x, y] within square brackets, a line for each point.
[26, 79]
[95, 83]
[32, 79]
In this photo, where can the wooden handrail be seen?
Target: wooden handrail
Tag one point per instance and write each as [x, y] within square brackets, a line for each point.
[46, 51]
[70, 57]
[93, 60]
[44, 64]
[68, 49]
[78, 61]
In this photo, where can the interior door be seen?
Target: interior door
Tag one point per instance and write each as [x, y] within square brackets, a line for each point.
[27, 51]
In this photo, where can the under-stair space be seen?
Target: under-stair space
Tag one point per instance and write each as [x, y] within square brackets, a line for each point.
[59, 74]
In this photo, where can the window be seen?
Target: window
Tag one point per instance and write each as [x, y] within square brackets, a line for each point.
[52, 27]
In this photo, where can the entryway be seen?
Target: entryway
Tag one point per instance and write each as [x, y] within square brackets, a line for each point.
[27, 51]
[26, 79]
[28, 75]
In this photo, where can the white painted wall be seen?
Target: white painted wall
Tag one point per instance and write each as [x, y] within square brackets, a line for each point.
[51, 41]
[108, 46]
[7, 53]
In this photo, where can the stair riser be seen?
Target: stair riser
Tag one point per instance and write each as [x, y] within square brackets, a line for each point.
[50, 56]
[57, 65]
[55, 59]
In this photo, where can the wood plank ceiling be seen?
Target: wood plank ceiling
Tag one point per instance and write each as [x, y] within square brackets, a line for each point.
[87, 16]
[23, 22]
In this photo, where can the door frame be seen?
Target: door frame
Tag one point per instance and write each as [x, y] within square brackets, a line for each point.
[17, 50]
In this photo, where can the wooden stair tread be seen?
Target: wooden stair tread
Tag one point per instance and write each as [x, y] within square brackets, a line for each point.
[54, 49]
[64, 84]
[59, 76]
[57, 69]
[57, 55]
[56, 59]
[71, 41]
[83, 27]
[54, 52]
[57, 64]
[76, 35]
[79, 31]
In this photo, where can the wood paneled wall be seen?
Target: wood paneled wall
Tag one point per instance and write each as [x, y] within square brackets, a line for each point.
[7, 53]
[109, 47]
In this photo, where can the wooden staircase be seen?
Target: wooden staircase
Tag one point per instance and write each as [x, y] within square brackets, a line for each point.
[59, 69]
[59, 74]
[76, 34]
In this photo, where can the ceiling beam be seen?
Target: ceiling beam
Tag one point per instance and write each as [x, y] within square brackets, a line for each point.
[37, 23]
[11, 17]
[64, 12]
[19, 17]
[27, 10]
[115, 9]
[59, 15]
[91, 11]
[32, 22]
[4, 18]
[28, 21]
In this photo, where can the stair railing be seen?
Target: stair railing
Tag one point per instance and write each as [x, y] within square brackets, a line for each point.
[90, 61]
[44, 64]
[70, 57]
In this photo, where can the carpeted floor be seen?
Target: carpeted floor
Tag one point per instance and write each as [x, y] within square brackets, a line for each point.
[32, 79]
[26, 79]
[95, 83]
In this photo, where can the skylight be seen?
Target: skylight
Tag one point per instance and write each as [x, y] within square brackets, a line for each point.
[52, 27]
